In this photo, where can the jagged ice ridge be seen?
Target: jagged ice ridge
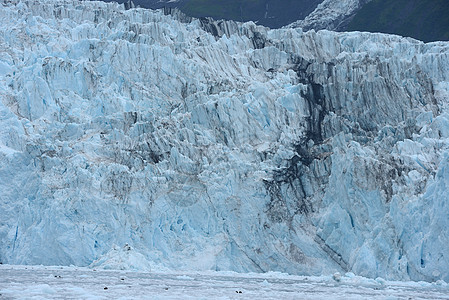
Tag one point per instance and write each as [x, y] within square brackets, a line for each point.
[220, 145]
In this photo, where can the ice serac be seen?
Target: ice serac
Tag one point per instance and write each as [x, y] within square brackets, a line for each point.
[220, 145]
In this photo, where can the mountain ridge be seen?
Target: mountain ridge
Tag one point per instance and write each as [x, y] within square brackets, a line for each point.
[421, 19]
[269, 13]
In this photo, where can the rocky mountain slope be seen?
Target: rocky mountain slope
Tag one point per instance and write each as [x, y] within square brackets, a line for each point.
[270, 13]
[425, 20]
[421, 19]
[331, 15]
[222, 146]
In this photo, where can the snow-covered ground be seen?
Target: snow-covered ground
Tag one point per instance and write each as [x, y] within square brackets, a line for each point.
[41, 282]
[329, 14]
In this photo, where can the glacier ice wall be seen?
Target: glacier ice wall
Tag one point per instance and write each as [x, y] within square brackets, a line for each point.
[220, 145]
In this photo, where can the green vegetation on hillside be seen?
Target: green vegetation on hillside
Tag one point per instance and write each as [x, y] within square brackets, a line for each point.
[426, 20]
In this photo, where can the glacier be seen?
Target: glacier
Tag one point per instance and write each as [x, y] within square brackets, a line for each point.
[217, 145]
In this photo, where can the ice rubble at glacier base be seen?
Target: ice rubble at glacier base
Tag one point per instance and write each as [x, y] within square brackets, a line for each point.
[219, 145]
[45, 282]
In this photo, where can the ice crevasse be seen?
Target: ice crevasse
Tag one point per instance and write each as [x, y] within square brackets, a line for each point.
[211, 145]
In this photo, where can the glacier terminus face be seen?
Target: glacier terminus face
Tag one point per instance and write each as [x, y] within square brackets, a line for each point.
[216, 145]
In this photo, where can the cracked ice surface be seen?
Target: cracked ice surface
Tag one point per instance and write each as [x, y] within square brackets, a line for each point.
[219, 145]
